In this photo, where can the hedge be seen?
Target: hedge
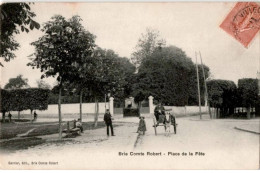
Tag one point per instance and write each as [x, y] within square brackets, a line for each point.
[24, 99]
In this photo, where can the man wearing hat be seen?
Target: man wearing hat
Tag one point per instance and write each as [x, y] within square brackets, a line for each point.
[159, 110]
[108, 121]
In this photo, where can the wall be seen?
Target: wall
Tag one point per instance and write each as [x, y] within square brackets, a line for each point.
[87, 108]
[186, 110]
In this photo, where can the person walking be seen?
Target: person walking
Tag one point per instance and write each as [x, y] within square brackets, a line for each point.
[108, 121]
[10, 117]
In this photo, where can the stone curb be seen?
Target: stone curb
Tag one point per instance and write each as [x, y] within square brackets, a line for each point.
[250, 131]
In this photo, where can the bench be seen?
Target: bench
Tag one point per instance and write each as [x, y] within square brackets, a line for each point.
[71, 128]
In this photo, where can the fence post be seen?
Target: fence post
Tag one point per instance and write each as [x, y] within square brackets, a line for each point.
[111, 105]
[150, 104]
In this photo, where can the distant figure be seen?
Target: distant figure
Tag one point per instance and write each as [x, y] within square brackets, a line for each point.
[35, 115]
[79, 125]
[108, 121]
[142, 125]
[10, 117]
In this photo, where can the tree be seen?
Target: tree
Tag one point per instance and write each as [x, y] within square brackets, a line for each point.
[62, 51]
[168, 75]
[5, 102]
[14, 16]
[42, 84]
[222, 96]
[16, 83]
[110, 74]
[146, 45]
[248, 90]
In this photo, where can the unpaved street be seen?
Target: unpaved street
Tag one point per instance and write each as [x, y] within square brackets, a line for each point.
[224, 147]
[215, 144]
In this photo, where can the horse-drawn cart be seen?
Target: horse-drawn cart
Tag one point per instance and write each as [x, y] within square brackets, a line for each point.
[162, 121]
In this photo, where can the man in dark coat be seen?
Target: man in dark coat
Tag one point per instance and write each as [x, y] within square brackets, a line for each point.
[159, 109]
[108, 121]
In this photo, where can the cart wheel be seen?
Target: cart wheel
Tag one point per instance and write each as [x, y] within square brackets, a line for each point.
[175, 129]
[154, 125]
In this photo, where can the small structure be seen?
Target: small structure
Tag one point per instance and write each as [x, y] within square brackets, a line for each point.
[131, 108]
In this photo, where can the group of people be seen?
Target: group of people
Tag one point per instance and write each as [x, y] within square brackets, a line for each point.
[160, 114]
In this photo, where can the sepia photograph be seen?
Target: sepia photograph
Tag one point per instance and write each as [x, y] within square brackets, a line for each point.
[130, 85]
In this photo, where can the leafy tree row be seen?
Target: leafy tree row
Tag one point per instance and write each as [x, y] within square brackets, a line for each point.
[24, 99]
[224, 95]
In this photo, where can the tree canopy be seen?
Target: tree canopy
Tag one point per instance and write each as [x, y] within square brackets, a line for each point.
[106, 72]
[248, 91]
[42, 84]
[15, 17]
[23, 99]
[168, 75]
[147, 43]
[16, 83]
[221, 91]
[63, 48]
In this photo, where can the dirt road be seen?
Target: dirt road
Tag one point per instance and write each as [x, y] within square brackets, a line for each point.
[198, 144]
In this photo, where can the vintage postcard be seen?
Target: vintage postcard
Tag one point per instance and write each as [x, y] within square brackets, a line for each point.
[130, 85]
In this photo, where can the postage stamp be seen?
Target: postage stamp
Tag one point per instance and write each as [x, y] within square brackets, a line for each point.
[243, 22]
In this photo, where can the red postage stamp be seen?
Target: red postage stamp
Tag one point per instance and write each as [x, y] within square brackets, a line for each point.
[243, 22]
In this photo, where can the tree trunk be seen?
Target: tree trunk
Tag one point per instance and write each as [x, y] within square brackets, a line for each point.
[3, 116]
[59, 108]
[80, 105]
[18, 115]
[217, 113]
[97, 111]
[209, 112]
[253, 112]
[248, 112]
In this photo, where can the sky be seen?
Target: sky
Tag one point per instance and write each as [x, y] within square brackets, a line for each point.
[118, 26]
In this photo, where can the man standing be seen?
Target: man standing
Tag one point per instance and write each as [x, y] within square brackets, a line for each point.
[35, 115]
[108, 121]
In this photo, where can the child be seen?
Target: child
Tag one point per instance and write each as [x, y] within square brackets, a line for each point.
[142, 125]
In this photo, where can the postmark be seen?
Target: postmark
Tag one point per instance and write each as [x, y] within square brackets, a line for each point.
[243, 22]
